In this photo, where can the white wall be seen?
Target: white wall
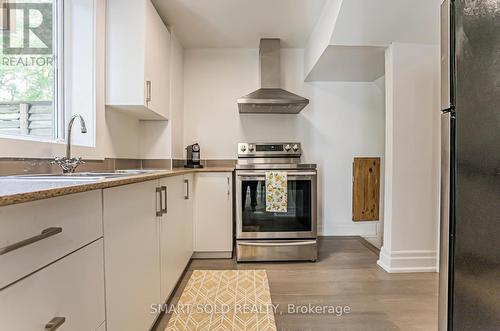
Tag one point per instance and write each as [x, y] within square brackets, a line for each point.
[122, 135]
[343, 120]
[412, 158]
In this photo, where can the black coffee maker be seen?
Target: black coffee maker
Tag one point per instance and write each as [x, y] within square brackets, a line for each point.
[193, 156]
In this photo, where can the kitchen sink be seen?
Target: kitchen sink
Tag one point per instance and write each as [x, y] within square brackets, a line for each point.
[57, 178]
[81, 176]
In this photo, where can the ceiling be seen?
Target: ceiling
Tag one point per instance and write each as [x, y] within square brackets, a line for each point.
[240, 23]
[381, 22]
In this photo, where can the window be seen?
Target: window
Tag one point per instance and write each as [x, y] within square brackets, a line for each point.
[45, 45]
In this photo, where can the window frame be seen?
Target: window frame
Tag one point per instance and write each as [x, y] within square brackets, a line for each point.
[59, 116]
[62, 79]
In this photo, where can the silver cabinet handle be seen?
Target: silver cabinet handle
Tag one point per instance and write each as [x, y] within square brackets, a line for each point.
[55, 323]
[159, 206]
[148, 91]
[186, 196]
[49, 232]
[228, 187]
[164, 210]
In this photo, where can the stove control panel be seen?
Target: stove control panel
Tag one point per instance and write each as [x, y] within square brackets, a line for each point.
[269, 149]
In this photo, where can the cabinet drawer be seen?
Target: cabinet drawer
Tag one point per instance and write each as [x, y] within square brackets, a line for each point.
[72, 288]
[73, 221]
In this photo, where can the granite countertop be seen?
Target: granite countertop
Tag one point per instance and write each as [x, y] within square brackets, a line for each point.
[13, 191]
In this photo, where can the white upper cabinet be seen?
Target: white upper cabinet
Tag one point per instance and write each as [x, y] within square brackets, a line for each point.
[137, 60]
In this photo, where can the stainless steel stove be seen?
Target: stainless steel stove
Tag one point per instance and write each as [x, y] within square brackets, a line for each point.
[269, 236]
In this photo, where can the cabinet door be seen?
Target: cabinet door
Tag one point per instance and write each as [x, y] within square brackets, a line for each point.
[71, 288]
[157, 59]
[213, 212]
[366, 189]
[132, 258]
[175, 237]
[125, 39]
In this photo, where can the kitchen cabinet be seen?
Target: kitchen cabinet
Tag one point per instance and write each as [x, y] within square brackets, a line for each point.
[213, 215]
[137, 60]
[131, 251]
[137, 239]
[176, 234]
[56, 226]
[366, 189]
[71, 288]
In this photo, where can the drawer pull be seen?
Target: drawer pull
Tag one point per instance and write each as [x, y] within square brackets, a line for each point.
[159, 206]
[186, 196]
[148, 92]
[55, 323]
[164, 209]
[49, 232]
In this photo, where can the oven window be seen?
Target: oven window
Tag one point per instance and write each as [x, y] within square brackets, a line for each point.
[256, 219]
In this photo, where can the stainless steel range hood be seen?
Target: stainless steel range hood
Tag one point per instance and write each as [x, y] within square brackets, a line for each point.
[270, 98]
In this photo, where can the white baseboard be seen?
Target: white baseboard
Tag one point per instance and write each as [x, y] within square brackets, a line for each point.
[408, 261]
[212, 255]
[364, 229]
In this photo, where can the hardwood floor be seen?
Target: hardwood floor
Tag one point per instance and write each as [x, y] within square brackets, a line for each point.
[345, 275]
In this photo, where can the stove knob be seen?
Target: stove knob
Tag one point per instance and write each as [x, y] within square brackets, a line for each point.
[250, 148]
[287, 148]
[243, 148]
[295, 147]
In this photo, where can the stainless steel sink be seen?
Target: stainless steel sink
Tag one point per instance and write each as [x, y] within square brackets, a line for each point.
[34, 182]
[82, 176]
[57, 178]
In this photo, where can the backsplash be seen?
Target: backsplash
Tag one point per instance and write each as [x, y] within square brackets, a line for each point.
[18, 166]
[15, 166]
[179, 163]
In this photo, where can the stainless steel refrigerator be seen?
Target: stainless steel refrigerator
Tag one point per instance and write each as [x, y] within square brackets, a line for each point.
[469, 297]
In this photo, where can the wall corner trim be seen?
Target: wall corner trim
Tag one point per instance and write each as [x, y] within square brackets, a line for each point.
[408, 261]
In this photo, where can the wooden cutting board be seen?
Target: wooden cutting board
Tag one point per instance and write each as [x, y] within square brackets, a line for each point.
[366, 189]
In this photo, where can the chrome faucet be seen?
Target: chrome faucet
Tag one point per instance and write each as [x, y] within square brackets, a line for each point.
[68, 163]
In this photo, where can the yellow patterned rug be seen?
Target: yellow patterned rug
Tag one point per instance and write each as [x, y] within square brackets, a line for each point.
[229, 300]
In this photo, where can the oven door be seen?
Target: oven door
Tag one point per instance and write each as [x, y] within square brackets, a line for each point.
[252, 220]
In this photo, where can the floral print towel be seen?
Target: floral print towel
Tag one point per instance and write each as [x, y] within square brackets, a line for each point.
[276, 191]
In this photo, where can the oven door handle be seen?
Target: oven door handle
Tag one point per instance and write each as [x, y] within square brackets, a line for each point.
[289, 243]
[289, 173]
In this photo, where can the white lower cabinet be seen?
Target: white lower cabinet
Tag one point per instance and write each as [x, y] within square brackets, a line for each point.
[123, 251]
[148, 233]
[132, 259]
[57, 227]
[71, 289]
[176, 234]
[213, 215]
